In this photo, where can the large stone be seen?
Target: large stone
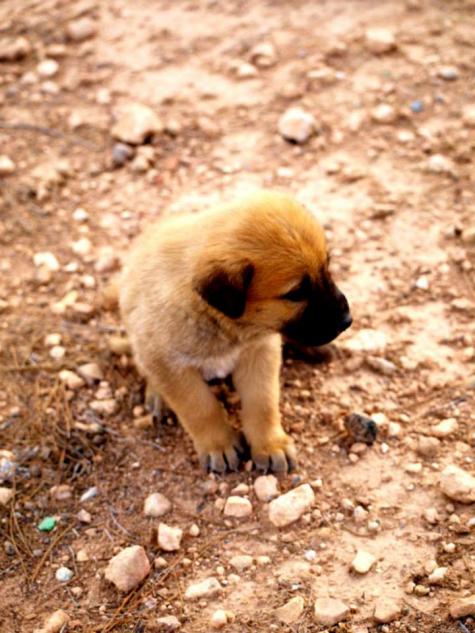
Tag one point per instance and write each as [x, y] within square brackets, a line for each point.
[458, 484]
[296, 125]
[386, 610]
[204, 589]
[290, 506]
[329, 611]
[169, 538]
[237, 507]
[128, 568]
[463, 607]
[291, 611]
[135, 123]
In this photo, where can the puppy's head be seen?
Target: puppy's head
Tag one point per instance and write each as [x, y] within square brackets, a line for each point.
[266, 266]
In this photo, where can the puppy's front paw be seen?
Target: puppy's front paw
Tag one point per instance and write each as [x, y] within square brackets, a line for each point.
[277, 455]
[221, 454]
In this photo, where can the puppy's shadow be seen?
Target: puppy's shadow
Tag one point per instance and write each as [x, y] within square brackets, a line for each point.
[312, 355]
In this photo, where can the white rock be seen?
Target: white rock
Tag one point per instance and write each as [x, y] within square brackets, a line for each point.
[431, 516]
[264, 54]
[428, 446]
[463, 607]
[80, 215]
[13, 50]
[290, 506]
[439, 164]
[458, 484]
[6, 495]
[89, 494]
[380, 40]
[91, 372]
[61, 492]
[329, 611]
[84, 516]
[221, 618]
[291, 611]
[449, 73]
[81, 29]
[438, 575]
[384, 113]
[135, 123]
[204, 589]
[169, 538]
[240, 489]
[128, 568]
[57, 352]
[445, 428]
[468, 115]
[46, 260]
[246, 71]
[381, 365]
[168, 623]
[52, 339]
[156, 505]
[104, 407]
[194, 530]
[386, 610]
[238, 507]
[47, 68]
[360, 514]
[7, 166]
[367, 340]
[82, 246]
[241, 562]
[70, 379]
[362, 562]
[64, 574]
[266, 487]
[55, 622]
[296, 125]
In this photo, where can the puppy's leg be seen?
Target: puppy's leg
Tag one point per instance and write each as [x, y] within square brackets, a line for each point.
[256, 378]
[217, 444]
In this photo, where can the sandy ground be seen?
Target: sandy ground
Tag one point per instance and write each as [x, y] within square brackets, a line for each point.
[397, 200]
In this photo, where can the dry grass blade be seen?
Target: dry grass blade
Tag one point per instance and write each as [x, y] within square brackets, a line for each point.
[50, 548]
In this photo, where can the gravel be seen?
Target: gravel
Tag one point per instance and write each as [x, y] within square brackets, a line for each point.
[128, 568]
[290, 506]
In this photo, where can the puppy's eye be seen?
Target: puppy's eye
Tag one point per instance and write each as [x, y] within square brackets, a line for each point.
[299, 293]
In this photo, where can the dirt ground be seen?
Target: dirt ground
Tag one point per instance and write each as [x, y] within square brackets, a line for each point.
[396, 197]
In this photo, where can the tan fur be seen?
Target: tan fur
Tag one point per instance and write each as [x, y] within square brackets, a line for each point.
[177, 337]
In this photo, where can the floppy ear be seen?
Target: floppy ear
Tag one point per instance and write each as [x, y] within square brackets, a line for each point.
[226, 290]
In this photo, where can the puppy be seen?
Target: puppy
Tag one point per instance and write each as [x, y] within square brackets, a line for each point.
[206, 295]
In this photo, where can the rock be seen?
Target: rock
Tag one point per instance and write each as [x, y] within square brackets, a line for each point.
[135, 124]
[62, 492]
[169, 538]
[463, 607]
[381, 365]
[14, 50]
[121, 153]
[104, 407]
[266, 487]
[57, 352]
[386, 610]
[119, 345]
[156, 505]
[55, 622]
[445, 428]
[194, 530]
[468, 115]
[8, 465]
[439, 164]
[47, 68]
[168, 623]
[89, 494]
[47, 260]
[437, 576]
[458, 484]
[238, 507]
[329, 611]
[362, 562]
[91, 372]
[240, 489]
[84, 516]
[241, 562]
[264, 55]
[6, 495]
[449, 73]
[64, 574]
[128, 568]
[368, 340]
[291, 611]
[52, 339]
[82, 247]
[290, 506]
[384, 113]
[107, 261]
[82, 556]
[221, 618]
[204, 589]
[431, 516]
[70, 379]
[380, 40]
[7, 166]
[81, 29]
[296, 125]
[428, 446]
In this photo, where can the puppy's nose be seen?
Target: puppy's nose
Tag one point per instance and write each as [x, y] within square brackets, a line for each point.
[346, 322]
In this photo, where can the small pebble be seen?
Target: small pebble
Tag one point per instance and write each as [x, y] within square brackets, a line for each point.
[7, 166]
[362, 562]
[449, 73]
[329, 611]
[168, 623]
[156, 505]
[47, 524]
[64, 574]
[169, 538]
[238, 507]
[296, 125]
[266, 487]
[241, 562]
[291, 611]
[445, 428]
[89, 494]
[380, 40]
[204, 589]
[221, 618]
[417, 106]
[128, 568]
[386, 610]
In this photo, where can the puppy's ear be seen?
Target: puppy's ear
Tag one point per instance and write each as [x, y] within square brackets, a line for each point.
[226, 289]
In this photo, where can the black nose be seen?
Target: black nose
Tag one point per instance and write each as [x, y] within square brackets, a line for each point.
[346, 322]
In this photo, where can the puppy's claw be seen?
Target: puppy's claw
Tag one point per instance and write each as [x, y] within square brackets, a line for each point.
[279, 461]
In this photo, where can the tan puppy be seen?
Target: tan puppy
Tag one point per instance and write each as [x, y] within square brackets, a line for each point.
[211, 294]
